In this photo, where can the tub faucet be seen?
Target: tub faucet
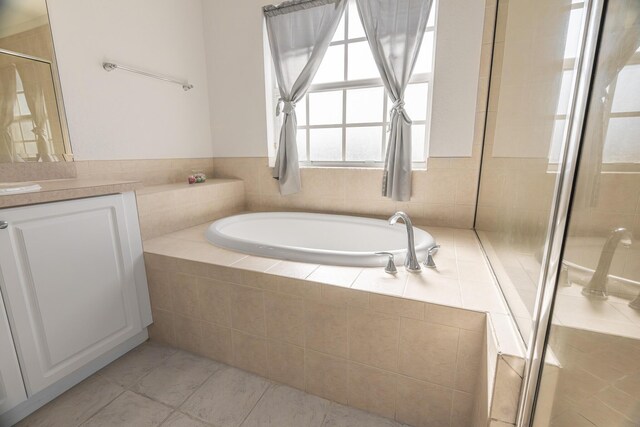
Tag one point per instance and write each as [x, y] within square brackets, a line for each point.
[411, 260]
[597, 286]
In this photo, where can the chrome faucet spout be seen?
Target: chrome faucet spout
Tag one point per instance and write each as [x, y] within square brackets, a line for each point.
[597, 286]
[411, 260]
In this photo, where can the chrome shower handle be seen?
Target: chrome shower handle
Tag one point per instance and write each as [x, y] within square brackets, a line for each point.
[391, 265]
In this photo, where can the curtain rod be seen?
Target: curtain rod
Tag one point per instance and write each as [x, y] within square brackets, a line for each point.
[110, 66]
[294, 5]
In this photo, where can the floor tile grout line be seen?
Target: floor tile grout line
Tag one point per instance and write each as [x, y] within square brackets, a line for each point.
[102, 407]
[264, 392]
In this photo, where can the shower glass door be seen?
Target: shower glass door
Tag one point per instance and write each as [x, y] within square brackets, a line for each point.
[591, 374]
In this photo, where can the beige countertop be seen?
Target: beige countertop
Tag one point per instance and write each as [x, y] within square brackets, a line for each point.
[462, 279]
[67, 189]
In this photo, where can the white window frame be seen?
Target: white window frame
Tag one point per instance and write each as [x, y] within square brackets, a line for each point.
[359, 84]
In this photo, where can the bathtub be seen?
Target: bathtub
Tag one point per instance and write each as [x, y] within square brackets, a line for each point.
[317, 238]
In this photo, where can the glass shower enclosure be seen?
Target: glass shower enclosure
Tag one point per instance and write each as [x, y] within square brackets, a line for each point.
[559, 203]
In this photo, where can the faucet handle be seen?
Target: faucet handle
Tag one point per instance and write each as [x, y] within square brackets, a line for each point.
[429, 262]
[391, 265]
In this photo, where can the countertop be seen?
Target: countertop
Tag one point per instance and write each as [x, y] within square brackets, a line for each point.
[67, 189]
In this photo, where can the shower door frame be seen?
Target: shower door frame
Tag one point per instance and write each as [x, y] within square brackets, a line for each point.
[556, 235]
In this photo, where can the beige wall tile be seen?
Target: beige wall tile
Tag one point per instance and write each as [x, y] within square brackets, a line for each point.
[215, 301]
[458, 318]
[428, 351]
[423, 404]
[285, 363]
[373, 338]
[326, 328]
[285, 317]
[326, 376]
[335, 275]
[162, 330]
[188, 333]
[247, 310]
[249, 353]
[398, 306]
[462, 409]
[216, 342]
[337, 295]
[468, 360]
[372, 390]
[160, 289]
[185, 295]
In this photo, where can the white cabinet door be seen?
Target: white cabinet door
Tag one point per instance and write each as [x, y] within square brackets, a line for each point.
[11, 386]
[69, 284]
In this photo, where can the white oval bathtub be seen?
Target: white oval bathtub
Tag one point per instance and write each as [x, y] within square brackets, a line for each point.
[316, 238]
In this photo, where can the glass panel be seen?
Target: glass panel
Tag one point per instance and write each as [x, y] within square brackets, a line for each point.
[332, 66]
[573, 33]
[24, 28]
[365, 105]
[326, 144]
[301, 139]
[416, 98]
[424, 63]
[592, 372]
[364, 144]
[417, 143]
[522, 134]
[361, 63]
[30, 83]
[565, 92]
[340, 31]
[325, 108]
[301, 111]
[622, 144]
[627, 94]
[355, 25]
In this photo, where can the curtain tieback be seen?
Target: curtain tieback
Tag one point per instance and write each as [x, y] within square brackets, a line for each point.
[398, 108]
[284, 106]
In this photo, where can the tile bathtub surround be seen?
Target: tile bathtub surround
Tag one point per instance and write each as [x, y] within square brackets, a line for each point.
[146, 171]
[166, 208]
[37, 171]
[340, 340]
[158, 385]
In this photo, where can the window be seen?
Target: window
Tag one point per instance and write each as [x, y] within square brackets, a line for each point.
[22, 135]
[343, 119]
[620, 144]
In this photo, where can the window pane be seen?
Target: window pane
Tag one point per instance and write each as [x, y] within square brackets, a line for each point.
[627, 95]
[556, 141]
[417, 142]
[339, 35]
[364, 144]
[424, 63]
[361, 63]
[326, 144]
[565, 91]
[355, 25]
[325, 108]
[27, 130]
[415, 99]
[301, 112]
[621, 145]
[573, 34]
[432, 15]
[301, 139]
[332, 66]
[365, 105]
[22, 104]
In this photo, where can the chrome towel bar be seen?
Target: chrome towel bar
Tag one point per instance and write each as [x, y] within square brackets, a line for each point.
[110, 66]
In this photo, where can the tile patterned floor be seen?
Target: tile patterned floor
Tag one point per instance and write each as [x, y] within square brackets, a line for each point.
[155, 385]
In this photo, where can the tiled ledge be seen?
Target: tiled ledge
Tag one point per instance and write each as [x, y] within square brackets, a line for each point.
[462, 279]
[170, 207]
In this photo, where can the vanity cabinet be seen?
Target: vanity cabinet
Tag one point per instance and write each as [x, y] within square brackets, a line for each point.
[12, 390]
[73, 281]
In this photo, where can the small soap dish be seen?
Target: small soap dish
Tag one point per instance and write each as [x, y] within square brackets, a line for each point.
[18, 188]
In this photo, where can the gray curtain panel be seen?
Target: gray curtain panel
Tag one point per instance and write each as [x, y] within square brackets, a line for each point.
[299, 34]
[394, 29]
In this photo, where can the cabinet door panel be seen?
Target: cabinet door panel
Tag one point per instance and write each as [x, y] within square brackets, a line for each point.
[70, 284]
[11, 387]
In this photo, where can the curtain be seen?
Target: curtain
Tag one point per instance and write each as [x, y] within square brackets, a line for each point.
[395, 30]
[32, 76]
[299, 34]
[620, 41]
[7, 102]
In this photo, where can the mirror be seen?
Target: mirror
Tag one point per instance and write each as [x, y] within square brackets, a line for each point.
[32, 123]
